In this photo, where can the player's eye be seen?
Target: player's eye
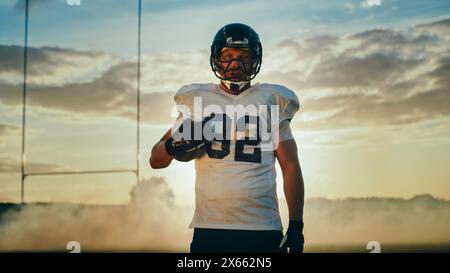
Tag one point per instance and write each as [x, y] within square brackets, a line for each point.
[246, 58]
[226, 58]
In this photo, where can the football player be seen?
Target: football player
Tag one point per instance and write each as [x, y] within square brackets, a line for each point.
[236, 203]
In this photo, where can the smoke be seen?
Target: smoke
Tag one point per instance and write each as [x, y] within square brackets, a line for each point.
[153, 222]
[149, 222]
[422, 219]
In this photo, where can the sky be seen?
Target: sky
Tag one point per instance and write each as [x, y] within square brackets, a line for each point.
[371, 76]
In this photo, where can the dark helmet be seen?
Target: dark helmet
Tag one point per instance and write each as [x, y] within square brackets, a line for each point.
[237, 36]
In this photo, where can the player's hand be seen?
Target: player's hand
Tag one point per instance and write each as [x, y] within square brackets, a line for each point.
[293, 239]
[186, 149]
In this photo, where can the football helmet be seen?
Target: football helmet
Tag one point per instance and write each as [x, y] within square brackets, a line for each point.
[236, 36]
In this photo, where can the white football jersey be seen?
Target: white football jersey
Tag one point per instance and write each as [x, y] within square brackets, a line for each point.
[235, 186]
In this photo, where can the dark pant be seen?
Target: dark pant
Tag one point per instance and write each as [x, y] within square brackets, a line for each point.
[235, 241]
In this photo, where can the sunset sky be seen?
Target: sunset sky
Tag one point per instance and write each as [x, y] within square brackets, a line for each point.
[373, 79]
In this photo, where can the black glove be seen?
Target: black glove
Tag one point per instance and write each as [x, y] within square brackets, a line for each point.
[293, 239]
[186, 149]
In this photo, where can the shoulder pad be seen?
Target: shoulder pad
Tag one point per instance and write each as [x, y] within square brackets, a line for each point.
[286, 99]
[187, 92]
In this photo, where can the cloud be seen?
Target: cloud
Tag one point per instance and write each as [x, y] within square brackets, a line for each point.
[428, 104]
[52, 66]
[8, 129]
[368, 71]
[9, 165]
[441, 28]
[378, 77]
[393, 40]
[93, 84]
[167, 72]
[370, 3]
[112, 94]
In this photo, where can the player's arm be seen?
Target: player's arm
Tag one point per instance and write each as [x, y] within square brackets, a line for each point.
[182, 148]
[159, 157]
[293, 185]
[292, 178]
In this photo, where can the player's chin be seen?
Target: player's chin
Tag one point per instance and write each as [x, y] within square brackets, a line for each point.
[236, 77]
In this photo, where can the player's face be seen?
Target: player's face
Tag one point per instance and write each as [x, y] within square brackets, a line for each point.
[235, 62]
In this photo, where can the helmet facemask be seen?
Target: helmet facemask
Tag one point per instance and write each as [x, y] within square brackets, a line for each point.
[235, 77]
[241, 37]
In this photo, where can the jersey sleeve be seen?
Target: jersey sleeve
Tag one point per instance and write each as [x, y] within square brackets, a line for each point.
[287, 101]
[182, 96]
[185, 98]
[285, 131]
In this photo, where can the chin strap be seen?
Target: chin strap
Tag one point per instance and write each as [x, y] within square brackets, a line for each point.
[235, 87]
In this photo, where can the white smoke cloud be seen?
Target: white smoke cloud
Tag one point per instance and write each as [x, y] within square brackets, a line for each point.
[152, 222]
[422, 219]
[149, 222]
